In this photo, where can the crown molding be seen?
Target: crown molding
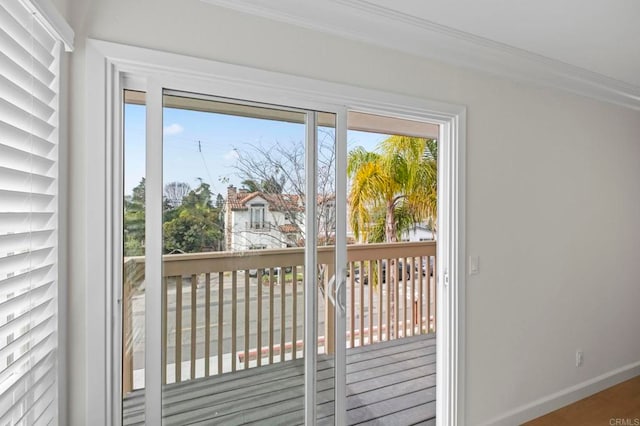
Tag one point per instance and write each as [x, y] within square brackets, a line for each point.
[361, 20]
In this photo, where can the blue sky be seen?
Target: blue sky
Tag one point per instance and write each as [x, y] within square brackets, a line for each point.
[202, 145]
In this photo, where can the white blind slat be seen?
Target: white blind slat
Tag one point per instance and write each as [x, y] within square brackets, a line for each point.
[18, 334]
[42, 371]
[20, 180]
[26, 373]
[19, 96]
[13, 263]
[29, 105]
[17, 117]
[25, 161]
[34, 407]
[19, 221]
[22, 15]
[43, 409]
[26, 345]
[19, 282]
[20, 241]
[20, 30]
[22, 301]
[40, 367]
[19, 201]
[20, 76]
[18, 138]
[23, 57]
[8, 194]
[19, 325]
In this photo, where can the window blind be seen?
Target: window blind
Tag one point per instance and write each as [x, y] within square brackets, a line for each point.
[29, 77]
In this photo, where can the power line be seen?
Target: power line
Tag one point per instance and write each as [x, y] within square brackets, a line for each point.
[204, 162]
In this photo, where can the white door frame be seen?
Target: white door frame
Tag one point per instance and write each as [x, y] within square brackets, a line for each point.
[110, 66]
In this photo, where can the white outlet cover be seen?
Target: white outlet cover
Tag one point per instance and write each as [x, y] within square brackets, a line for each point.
[474, 265]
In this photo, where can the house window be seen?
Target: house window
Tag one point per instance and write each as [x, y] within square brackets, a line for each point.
[29, 215]
[257, 216]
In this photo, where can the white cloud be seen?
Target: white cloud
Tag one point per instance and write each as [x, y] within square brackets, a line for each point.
[173, 129]
[231, 155]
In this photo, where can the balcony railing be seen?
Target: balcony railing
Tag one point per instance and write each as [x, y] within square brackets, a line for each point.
[225, 311]
[260, 226]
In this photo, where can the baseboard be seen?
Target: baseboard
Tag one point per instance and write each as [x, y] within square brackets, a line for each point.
[564, 397]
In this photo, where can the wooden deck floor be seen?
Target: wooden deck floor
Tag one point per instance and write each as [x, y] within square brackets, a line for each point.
[389, 383]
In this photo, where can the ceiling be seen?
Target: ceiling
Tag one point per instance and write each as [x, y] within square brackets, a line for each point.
[600, 36]
[586, 47]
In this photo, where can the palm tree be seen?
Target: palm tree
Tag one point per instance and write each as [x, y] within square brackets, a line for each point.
[397, 186]
[400, 182]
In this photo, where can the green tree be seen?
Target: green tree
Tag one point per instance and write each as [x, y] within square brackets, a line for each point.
[199, 198]
[192, 231]
[398, 184]
[195, 225]
[250, 185]
[269, 185]
[134, 216]
[376, 232]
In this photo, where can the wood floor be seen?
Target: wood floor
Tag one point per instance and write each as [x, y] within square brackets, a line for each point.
[387, 383]
[616, 406]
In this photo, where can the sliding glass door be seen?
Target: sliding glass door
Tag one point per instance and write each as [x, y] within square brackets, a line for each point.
[242, 264]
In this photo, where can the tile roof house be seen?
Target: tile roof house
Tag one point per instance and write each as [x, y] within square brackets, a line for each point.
[258, 220]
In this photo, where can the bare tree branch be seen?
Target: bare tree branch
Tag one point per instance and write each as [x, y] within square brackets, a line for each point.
[284, 163]
[174, 192]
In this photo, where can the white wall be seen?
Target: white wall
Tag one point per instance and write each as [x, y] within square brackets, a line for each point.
[418, 233]
[245, 238]
[544, 169]
[63, 7]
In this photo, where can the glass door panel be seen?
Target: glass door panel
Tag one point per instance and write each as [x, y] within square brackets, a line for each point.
[234, 262]
[240, 230]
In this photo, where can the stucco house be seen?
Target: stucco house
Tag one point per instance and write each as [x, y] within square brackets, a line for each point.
[257, 220]
[420, 232]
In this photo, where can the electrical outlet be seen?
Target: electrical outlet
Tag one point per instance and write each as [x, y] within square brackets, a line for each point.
[474, 265]
[579, 358]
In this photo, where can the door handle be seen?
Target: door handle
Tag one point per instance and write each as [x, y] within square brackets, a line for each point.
[330, 285]
[341, 305]
[338, 299]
